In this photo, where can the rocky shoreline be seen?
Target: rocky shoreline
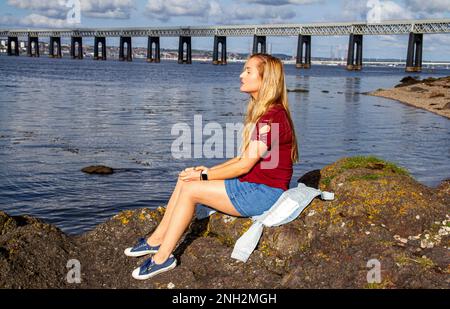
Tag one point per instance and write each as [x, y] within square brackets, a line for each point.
[379, 213]
[431, 94]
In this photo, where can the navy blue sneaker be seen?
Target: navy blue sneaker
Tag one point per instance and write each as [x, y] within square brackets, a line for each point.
[141, 248]
[149, 268]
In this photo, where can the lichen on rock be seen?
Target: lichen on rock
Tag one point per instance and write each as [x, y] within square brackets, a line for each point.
[379, 212]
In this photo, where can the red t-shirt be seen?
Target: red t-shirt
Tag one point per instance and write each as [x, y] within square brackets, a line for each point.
[275, 168]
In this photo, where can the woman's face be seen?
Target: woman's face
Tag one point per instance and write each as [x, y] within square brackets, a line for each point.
[250, 79]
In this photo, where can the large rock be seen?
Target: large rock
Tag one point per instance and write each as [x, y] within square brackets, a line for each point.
[101, 250]
[98, 169]
[33, 254]
[379, 212]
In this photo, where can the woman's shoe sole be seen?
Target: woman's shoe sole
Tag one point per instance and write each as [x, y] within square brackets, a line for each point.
[144, 277]
[138, 254]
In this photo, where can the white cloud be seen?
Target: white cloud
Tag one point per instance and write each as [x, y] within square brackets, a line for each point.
[387, 10]
[91, 8]
[37, 5]
[373, 11]
[204, 11]
[357, 10]
[120, 9]
[53, 13]
[284, 2]
[257, 14]
[33, 20]
[429, 7]
[439, 40]
[8, 20]
[163, 10]
[36, 20]
[390, 41]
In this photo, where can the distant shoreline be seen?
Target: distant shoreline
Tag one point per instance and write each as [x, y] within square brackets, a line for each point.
[334, 63]
[432, 94]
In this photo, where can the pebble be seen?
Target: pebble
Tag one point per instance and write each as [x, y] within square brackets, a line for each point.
[227, 219]
[413, 237]
[424, 243]
[170, 285]
[443, 231]
[400, 239]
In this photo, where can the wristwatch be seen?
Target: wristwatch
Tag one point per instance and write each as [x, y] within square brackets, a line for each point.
[204, 174]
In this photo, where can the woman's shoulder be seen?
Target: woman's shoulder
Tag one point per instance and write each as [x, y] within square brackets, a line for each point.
[275, 113]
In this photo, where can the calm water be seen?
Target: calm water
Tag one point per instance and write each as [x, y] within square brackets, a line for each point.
[60, 115]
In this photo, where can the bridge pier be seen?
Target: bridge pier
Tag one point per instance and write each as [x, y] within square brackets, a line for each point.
[223, 54]
[257, 40]
[187, 40]
[13, 51]
[51, 47]
[74, 41]
[129, 55]
[157, 56]
[303, 40]
[98, 40]
[355, 64]
[414, 57]
[31, 40]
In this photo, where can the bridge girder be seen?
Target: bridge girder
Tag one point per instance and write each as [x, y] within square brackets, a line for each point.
[319, 29]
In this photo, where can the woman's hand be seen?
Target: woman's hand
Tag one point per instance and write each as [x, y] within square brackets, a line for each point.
[200, 168]
[190, 174]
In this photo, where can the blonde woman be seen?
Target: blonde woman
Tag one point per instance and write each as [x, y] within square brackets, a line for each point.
[244, 186]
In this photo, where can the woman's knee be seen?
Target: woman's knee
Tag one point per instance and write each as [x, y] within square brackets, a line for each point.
[188, 190]
[180, 182]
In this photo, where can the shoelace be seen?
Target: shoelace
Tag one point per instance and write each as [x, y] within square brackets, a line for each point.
[147, 264]
[140, 243]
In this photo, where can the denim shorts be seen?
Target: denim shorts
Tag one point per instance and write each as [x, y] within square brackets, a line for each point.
[251, 199]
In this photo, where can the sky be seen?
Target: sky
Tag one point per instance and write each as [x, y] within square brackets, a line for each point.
[174, 13]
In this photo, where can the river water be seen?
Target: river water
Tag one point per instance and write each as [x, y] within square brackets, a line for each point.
[60, 115]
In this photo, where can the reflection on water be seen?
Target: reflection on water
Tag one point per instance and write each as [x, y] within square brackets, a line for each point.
[58, 116]
[352, 89]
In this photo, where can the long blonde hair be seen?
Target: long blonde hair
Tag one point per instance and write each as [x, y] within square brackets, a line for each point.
[272, 91]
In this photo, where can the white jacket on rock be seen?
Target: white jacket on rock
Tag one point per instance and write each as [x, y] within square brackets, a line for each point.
[287, 208]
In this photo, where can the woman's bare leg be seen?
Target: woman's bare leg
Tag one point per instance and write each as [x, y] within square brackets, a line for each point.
[210, 193]
[157, 236]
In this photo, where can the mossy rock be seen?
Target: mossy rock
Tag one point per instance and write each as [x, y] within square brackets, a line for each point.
[365, 167]
[379, 212]
[227, 229]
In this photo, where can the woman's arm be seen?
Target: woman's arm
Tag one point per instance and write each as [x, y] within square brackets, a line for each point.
[254, 152]
[231, 161]
[242, 165]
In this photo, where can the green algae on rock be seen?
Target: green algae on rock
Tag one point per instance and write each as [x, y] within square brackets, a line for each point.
[379, 213]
